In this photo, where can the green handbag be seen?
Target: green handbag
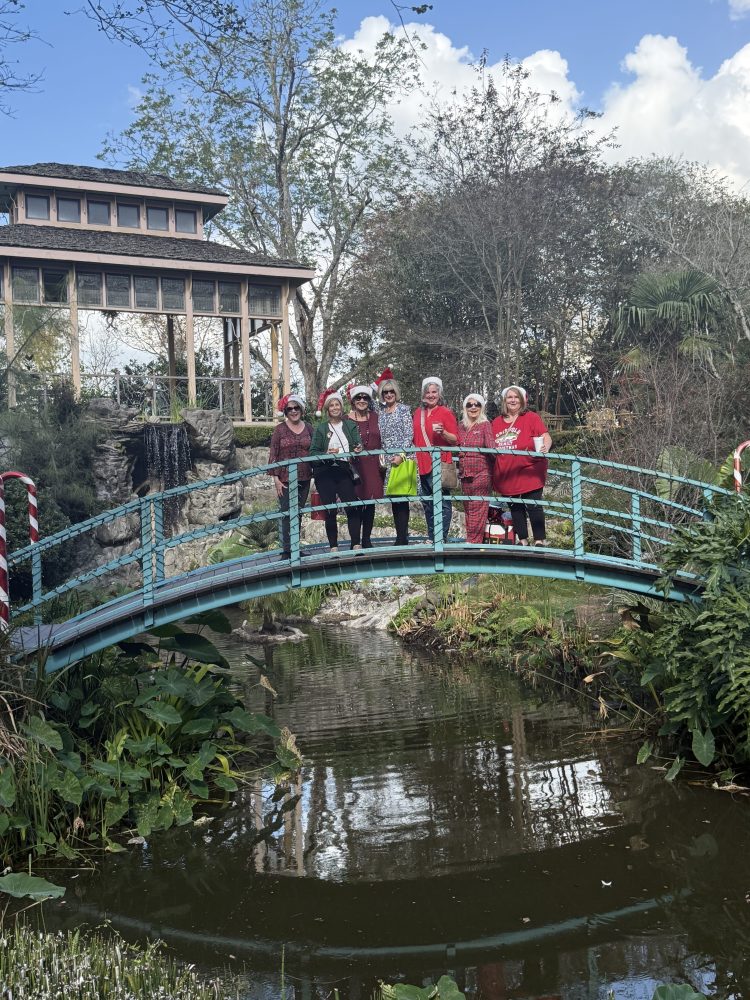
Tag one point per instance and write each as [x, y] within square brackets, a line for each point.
[402, 482]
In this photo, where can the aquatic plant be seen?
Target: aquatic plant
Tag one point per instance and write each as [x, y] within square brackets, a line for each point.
[131, 739]
[91, 965]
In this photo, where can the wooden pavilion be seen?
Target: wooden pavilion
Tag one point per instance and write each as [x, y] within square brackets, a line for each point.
[126, 241]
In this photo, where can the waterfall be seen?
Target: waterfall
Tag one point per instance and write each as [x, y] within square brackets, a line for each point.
[168, 460]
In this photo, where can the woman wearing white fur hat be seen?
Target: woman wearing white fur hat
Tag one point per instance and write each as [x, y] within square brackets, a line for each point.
[475, 468]
[521, 477]
[370, 485]
[434, 424]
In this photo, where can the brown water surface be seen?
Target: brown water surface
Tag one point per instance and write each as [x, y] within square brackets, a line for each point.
[447, 819]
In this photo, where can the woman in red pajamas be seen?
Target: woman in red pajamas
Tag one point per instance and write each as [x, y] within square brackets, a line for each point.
[475, 469]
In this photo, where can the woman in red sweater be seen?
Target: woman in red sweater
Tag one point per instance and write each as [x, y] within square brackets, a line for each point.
[434, 425]
[521, 477]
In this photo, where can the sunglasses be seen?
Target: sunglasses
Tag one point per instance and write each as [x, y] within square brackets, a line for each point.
[473, 406]
[389, 392]
[361, 396]
[293, 409]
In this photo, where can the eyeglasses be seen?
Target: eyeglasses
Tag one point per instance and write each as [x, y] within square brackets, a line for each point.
[473, 406]
[360, 397]
[293, 409]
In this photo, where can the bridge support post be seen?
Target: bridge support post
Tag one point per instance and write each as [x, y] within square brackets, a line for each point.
[294, 524]
[437, 512]
[577, 503]
[635, 523]
[147, 572]
[158, 535]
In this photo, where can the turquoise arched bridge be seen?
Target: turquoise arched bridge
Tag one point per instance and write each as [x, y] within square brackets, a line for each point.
[612, 521]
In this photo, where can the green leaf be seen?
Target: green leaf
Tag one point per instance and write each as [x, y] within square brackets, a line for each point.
[704, 746]
[146, 815]
[70, 789]
[674, 991]
[23, 886]
[182, 808]
[139, 748]
[287, 758]
[217, 621]
[674, 769]
[224, 781]
[41, 732]
[115, 809]
[4, 823]
[402, 991]
[251, 722]
[106, 767]
[199, 789]
[7, 787]
[159, 711]
[198, 726]
[448, 989]
[196, 647]
[645, 752]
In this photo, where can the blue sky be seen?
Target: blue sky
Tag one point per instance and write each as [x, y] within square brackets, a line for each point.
[87, 90]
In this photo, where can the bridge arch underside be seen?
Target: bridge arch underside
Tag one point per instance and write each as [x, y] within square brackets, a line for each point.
[258, 576]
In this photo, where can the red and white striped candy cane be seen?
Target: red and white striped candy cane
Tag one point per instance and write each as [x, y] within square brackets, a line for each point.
[738, 467]
[33, 537]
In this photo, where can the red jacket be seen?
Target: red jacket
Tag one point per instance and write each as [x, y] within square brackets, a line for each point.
[515, 474]
[440, 415]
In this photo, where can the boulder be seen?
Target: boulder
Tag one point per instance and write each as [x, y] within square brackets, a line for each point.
[214, 503]
[369, 604]
[211, 435]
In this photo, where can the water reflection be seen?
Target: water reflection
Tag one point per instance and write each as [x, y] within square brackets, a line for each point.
[446, 820]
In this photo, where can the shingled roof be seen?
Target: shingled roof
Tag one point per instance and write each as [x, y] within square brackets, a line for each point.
[106, 175]
[122, 244]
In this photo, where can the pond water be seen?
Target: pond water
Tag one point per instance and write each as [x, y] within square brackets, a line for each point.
[447, 819]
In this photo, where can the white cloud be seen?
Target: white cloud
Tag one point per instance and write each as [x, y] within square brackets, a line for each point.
[738, 9]
[668, 107]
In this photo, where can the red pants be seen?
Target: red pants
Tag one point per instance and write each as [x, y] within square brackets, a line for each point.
[475, 511]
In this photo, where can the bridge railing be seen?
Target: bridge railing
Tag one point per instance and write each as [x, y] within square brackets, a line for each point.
[601, 509]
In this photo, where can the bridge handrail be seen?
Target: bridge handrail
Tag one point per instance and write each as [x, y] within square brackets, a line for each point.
[135, 506]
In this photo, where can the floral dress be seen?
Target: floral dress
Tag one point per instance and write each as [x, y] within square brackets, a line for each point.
[396, 432]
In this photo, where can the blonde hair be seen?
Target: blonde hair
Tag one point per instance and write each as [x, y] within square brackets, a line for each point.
[481, 419]
[333, 398]
[389, 383]
[521, 395]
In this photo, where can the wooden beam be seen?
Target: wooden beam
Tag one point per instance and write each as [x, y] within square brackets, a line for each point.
[190, 342]
[10, 338]
[274, 368]
[75, 342]
[247, 403]
[285, 355]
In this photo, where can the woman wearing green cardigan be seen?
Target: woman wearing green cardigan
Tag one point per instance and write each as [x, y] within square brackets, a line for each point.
[337, 435]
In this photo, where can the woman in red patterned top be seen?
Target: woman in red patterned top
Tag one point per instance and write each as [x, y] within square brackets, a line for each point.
[475, 469]
[521, 477]
[290, 439]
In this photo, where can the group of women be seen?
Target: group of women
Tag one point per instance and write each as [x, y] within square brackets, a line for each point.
[379, 419]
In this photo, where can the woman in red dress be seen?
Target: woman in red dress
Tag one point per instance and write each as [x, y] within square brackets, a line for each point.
[521, 477]
[434, 425]
[475, 469]
[371, 473]
[290, 439]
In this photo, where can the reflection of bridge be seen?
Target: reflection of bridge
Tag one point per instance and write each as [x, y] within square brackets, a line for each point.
[614, 521]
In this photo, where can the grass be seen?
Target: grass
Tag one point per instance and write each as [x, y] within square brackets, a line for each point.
[91, 965]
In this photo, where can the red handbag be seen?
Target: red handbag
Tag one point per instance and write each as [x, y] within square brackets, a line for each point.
[317, 513]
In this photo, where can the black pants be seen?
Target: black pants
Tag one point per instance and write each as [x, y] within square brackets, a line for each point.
[368, 520]
[400, 510]
[335, 482]
[520, 511]
[303, 485]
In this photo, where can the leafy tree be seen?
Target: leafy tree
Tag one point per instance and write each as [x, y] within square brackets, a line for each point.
[293, 127]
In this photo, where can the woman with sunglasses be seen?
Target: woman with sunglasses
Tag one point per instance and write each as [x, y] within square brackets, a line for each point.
[370, 485]
[337, 435]
[475, 468]
[397, 434]
[290, 439]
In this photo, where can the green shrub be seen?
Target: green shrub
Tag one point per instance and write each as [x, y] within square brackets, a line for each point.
[252, 437]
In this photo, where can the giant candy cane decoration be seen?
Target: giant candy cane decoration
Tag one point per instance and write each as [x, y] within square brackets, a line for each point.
[737, 465]
[33, 537]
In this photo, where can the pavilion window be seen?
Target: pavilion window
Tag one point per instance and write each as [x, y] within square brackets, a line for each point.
[37, 206]
[68, 210]
[128, 216]
[157, 218]
[99, 213]
[118, 291]
[173, 294]
[26, 284]
[265, 300]
[146, 292]
[229, 297]
[54, 286]
[203, 296]
[89, 289]
[185, 221]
